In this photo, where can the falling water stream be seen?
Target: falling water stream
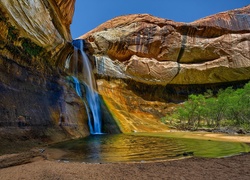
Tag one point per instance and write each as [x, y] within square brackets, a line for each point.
[79, 93]
[94, 115]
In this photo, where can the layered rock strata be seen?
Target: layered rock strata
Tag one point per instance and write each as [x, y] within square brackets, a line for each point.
[144, 62]
[158, 51]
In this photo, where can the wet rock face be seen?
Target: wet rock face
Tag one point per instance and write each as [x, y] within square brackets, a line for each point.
[34, 39]
[159, 51]
[130, 110]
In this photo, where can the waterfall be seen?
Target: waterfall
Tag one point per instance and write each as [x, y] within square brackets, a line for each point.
[79, 93]
[77, 86]
[90, 87]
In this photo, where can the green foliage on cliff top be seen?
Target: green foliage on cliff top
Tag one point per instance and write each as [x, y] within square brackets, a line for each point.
[229, 108]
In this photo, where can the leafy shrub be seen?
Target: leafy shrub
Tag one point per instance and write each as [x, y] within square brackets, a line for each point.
[228, 108]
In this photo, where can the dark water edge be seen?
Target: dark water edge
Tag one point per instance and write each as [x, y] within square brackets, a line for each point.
[143, 148]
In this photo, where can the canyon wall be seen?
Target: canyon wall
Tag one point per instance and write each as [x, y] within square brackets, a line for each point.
[152, 50]
[152, 61]
[36, 95]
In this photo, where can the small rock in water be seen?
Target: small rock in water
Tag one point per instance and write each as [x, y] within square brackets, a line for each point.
[185, 154]
[188, 153]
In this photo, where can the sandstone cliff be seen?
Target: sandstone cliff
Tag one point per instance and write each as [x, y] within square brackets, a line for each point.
[35, 94]
[158, 51]
[144, 62]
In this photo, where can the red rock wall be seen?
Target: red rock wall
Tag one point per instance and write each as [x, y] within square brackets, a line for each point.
[152, 50]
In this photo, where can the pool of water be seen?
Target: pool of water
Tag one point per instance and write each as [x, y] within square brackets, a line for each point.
[138, 148]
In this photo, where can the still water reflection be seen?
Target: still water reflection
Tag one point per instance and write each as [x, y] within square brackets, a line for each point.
[132, 148]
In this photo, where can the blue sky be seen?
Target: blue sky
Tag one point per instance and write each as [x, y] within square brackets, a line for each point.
[91, 13]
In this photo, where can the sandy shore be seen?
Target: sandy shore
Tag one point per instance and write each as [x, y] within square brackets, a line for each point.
[236, 167]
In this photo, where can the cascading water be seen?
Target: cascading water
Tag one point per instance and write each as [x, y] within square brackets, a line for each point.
[79, 93]
[90, 88]
[77, 86]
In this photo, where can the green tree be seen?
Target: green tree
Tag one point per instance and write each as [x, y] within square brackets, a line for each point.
[228, 108]
[192, 111]
[239, 106]
[221, 104]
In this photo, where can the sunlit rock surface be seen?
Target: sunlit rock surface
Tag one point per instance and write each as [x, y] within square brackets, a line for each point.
[158, 51]
[144, 62]
[131, 111]
[35, 94]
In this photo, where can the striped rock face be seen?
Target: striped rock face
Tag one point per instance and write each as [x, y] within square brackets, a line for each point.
[44, 22]
[151, 50]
